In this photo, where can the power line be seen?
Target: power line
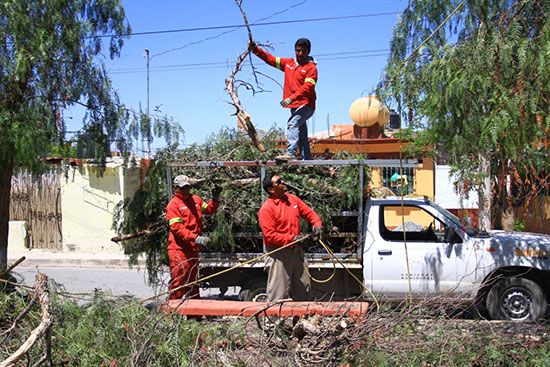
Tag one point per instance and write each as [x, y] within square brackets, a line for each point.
[223, 64]
[197, 29]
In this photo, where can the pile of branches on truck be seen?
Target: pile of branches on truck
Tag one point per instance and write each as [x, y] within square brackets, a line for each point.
[332, 191]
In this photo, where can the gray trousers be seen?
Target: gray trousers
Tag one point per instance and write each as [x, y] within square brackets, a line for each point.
[286, 275]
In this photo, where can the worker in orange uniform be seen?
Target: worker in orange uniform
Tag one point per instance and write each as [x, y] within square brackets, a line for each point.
[184, 213]
[279, 218]
[298, 94]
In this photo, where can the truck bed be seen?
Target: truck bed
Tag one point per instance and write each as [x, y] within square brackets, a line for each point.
[315, 260]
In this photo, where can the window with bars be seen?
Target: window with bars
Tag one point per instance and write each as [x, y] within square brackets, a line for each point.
[392, 179]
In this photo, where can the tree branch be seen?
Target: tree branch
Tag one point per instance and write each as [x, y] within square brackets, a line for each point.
[43, 294]
[243, 117]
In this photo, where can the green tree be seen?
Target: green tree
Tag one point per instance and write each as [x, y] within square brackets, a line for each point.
[479, 89]
[50, 60]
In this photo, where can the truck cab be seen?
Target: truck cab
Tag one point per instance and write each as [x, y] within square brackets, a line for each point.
[416, 239]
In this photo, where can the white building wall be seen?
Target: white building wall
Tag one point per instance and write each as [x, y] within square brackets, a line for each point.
[88, 200]
[445, 194]
[17, 236]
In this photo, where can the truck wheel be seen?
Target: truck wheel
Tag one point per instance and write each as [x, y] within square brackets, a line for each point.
[516, 299]
[255, 290]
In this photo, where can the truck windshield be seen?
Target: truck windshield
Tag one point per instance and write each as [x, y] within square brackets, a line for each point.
[468, 228]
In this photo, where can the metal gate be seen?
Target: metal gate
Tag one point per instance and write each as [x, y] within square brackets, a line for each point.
[37, 200]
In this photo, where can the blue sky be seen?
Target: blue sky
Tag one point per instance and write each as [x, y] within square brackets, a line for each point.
[188, 69]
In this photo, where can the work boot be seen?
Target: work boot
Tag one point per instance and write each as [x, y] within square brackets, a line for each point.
[285, 157]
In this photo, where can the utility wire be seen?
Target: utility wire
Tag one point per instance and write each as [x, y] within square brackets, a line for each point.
[229, 31]
[236, 26]
[223, 64]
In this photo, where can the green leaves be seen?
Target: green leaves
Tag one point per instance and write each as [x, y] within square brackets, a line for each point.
[48, 63]
[480, 86]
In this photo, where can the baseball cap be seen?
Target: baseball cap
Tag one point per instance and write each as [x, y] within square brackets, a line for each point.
[181, 181]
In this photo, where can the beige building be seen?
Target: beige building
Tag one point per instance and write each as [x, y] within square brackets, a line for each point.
[70, 208]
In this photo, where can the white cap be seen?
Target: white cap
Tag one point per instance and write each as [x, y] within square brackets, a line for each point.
[181, 181]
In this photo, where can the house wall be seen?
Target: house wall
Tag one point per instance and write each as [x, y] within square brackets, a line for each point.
[423, 178]
[88, 200]
[17, 236]
[445, 194]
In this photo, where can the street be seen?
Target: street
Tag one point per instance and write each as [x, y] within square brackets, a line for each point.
[121, 282]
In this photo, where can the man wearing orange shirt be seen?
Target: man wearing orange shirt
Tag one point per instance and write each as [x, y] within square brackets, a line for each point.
[279, 219]
[298, 94]
[184, 213]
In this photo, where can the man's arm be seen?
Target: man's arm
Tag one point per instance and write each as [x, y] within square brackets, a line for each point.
[210, 208]
[308, 214]
[269, 59]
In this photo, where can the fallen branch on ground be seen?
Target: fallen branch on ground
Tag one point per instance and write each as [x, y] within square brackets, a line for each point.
[43, 295]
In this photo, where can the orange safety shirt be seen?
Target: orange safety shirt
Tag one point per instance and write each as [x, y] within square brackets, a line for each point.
[300, 79]
[280, 219]
[185, 219]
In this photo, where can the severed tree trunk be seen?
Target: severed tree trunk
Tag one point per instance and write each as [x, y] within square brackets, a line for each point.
[485, 194]
[506, 218]
[5, 191]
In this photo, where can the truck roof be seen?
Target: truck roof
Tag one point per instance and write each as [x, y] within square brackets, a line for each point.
[387, 199]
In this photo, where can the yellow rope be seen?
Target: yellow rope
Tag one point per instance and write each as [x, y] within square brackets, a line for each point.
[362, 284]
[225, 270]
[400, 150]
[323, 280]
[329, 251]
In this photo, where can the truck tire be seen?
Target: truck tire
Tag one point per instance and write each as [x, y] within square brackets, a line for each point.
[255, 290]
[516, 299]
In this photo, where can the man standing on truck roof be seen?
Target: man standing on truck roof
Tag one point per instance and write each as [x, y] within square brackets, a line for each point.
[279, 218]
[298, 94]
[184, 213]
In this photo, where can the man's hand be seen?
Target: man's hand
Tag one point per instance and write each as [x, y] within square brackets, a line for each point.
[285, 102]
[203, 241]
[319, 233]
[251, 45]
[216, 191]
[298, 237]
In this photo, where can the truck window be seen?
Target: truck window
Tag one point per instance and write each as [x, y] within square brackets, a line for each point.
[419, 224]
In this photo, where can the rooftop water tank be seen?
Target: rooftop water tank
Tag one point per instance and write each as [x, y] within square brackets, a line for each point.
[367, 111]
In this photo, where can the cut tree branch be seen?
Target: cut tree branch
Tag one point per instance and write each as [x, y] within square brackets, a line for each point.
[43, 294]
[243, 117]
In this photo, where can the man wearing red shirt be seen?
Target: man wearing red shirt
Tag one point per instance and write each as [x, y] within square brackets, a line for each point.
[279, 218]
[184, 213]
[298, 94]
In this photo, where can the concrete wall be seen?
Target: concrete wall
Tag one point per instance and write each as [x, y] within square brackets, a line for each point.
[17, 236]
[88, 200]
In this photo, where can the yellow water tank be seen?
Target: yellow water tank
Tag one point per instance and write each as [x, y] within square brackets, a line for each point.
[367, 111]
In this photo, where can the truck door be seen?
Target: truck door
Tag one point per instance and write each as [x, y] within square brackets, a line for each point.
[433, 264]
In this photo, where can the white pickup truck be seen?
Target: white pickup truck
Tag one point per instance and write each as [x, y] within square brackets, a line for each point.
[508, 272]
